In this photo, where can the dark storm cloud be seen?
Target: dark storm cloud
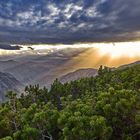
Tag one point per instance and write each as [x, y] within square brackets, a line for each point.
[9, 47]
[68, 21]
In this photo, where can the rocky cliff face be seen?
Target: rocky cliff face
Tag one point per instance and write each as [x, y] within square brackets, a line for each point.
[7, 82]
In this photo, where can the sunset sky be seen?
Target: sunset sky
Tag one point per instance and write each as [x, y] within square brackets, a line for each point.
[111, 27]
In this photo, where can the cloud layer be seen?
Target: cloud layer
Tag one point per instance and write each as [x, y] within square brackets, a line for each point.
[68, 21]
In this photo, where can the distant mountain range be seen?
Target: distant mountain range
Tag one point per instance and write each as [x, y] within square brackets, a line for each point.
[20, 71]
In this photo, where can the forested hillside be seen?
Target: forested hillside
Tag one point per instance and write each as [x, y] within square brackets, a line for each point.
[105, 107]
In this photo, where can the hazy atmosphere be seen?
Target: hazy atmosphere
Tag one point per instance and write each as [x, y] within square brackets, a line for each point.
[69, 69]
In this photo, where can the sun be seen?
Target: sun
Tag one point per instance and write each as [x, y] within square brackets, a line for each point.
[120, 49]
[113, 50]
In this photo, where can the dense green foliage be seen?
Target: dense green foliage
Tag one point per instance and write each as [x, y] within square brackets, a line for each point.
[106, 107]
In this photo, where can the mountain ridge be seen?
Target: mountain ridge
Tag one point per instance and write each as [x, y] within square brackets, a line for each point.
[78, 74]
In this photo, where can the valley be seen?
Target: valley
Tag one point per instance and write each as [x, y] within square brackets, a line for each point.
[66, 64]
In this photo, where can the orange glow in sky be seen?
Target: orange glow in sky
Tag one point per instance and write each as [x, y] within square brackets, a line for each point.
[109, 54]
[115, 50]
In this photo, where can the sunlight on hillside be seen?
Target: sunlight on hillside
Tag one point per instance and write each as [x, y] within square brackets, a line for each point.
[93, 58]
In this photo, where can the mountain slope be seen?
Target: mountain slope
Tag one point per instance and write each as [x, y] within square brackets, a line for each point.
[81, 73]
[42, 69]
[129, 65]
[84, 109]
[8, 64]
[7, 82]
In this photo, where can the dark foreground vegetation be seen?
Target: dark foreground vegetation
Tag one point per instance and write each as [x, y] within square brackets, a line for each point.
[106, 107]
